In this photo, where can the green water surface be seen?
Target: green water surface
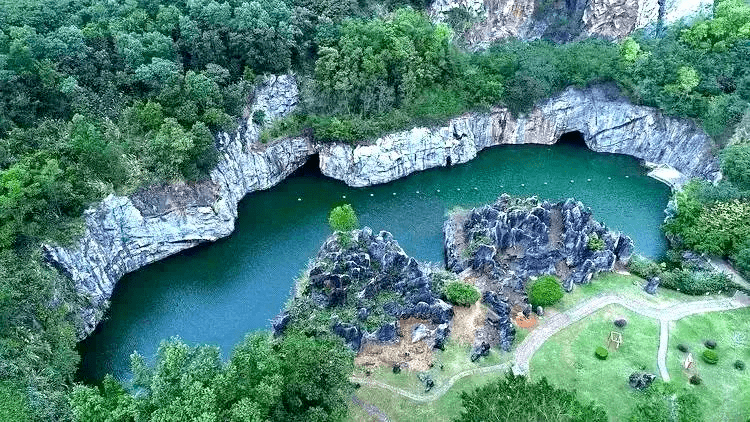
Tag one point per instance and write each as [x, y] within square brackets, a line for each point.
[219, 292]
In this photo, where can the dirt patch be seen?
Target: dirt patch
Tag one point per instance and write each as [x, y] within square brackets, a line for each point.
[416, 356]
[555, 227]
[466, 322]
[562, 269]
[517, 317]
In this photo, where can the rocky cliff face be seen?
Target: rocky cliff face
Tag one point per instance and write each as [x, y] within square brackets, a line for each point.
[608, 122]
[565, 21]
[126, 233]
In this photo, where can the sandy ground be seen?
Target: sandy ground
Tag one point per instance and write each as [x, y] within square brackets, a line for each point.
[413, 356]
[466, 321]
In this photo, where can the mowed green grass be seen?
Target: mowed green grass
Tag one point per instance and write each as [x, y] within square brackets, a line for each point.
[401, 409]
[567, 359]
[725, 391]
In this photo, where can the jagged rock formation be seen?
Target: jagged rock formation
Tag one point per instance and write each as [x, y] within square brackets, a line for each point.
[366, 287]
[126, 233]
[565, 21]
[504, 244]
[608, 122]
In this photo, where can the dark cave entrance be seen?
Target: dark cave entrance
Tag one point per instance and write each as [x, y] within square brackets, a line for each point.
[310, 168]
[574, 138]
[449, 161]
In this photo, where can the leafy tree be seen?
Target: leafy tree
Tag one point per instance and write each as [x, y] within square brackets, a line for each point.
[735, 164]
[343, 218]
[514, 398]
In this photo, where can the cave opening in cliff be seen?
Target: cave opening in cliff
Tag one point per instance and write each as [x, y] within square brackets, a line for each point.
[311, 166]
[449, 161]
[574, 138]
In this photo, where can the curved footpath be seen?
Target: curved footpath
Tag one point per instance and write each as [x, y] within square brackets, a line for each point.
[665, 314]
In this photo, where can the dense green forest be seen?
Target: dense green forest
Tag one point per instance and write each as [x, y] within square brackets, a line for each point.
[111, 96]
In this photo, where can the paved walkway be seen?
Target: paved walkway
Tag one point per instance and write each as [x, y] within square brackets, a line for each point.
[665, 313]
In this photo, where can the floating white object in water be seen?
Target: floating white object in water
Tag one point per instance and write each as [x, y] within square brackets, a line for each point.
[299, 199]
[394, 193]
[475, 188]
[372, 194]
[417, 191]
[343, 196]
[545, 183]
[571, 181]
[627, 177]
[501, 186]
[588, 180]
[523, 184]
[458, 189]
[609, 178]
[438, 191]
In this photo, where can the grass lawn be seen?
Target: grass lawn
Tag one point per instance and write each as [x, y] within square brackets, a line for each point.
[567, 359]
[401, 409]
[725, 391]
[623, 285]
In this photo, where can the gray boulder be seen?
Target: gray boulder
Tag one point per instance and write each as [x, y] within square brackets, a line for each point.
[651, 285]
[419, 333]
[641, 380]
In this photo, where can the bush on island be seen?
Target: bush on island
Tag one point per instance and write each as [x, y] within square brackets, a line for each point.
[545, 291]
[460, 293]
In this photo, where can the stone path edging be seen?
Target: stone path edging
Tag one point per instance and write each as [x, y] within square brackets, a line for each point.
[664, 313]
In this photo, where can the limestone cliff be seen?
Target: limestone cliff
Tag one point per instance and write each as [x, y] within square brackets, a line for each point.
[608, 122]
[564, 20]
[126, 233]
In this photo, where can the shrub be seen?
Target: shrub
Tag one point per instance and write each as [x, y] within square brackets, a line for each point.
[595, 243]
[739, 365]
[644, 267]
[259, 117]
[696, 379]
[683, 348]
[460, 293]
[545, 291]
[710, 356]
[601, 353]
[621, 322]
[710, 344]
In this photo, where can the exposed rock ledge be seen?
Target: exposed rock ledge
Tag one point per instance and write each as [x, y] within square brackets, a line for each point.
[565, 21]
[124, 234]
[608, 122]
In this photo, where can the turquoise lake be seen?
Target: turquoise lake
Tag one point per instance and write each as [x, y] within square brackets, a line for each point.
[216, 293]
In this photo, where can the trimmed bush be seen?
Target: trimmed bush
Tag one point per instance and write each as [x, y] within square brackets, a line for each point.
[460, 293]
[710, 356]
[696, 380]
[739, 365]
[545, 291]
[601, 353]
[683, 348]
[621, 322]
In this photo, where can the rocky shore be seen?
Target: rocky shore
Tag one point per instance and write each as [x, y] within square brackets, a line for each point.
[125, 233]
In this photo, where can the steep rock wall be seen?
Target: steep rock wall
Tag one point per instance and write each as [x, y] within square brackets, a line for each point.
[608, 122]
[565, 20]
[124, 234]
